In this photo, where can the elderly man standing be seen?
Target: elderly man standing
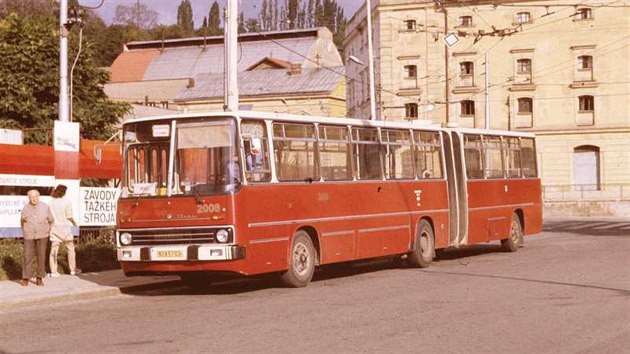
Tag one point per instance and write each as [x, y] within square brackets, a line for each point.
[36, 219]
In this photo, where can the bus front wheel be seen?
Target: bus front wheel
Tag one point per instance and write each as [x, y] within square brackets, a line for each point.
[515, 238]
[301, 261]
[424, 248]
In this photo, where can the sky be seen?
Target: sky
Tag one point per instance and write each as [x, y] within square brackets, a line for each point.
[167, 9]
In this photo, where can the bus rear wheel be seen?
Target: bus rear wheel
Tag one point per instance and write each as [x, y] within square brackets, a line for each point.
[424, 248]
[196, 280]
[515, 238]
[301, 261]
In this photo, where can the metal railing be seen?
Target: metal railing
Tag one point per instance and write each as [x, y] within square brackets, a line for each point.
[611, 192]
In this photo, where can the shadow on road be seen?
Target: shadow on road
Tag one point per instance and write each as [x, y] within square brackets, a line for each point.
[240, 285]
[588, 227]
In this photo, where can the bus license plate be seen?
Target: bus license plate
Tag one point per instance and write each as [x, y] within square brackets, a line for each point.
[172, 254]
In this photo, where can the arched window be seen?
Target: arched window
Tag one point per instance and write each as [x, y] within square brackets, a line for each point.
[586, 168]
[525, 105]
[587, 104]
[467, 108]
[523, 17]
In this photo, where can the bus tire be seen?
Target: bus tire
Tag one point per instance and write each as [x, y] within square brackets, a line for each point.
[196, 280]
[515, 238]
[301, 261]
[424, 247]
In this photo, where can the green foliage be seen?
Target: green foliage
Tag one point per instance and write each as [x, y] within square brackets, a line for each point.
[185, 17]
[93, 255]
[29, 80]
[139, 15]
[214, 20]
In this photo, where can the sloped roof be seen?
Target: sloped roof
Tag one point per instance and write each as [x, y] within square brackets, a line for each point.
[276, 82]
[273, 62]
[188, 58]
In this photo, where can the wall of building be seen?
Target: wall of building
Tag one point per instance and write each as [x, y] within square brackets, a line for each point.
[559, 70]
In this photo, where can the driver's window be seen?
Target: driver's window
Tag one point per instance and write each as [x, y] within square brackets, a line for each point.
[256, 152]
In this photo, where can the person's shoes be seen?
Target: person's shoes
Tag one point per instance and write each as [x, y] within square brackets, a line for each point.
[75, 272]
[39, 282]
[53, 275]
[24, 282]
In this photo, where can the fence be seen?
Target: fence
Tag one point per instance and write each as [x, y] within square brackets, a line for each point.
[586, 193]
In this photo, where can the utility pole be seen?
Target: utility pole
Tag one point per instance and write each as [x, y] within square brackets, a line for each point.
[230, 38]
[371, 61]
[487, 115]
[64, 107]
[446, 76]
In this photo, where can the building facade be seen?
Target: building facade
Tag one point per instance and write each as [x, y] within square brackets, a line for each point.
[558, 69]
[295, 71]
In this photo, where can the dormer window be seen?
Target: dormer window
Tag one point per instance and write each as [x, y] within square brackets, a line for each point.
[523, 17]
[410, 25]
[583, 14]
[466, 21]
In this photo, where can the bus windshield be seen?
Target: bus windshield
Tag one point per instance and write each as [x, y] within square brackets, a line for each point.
[206, 159]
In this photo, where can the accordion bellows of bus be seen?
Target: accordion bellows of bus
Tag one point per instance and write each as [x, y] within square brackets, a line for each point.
[205, 195]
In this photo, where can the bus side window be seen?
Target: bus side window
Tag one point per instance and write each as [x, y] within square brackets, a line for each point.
[493, 161]
[294, 149]
[473, 156]
[428, 155]
[398, 154]
[512, 157]
[367, 153]
[257, 168]
[528, 157]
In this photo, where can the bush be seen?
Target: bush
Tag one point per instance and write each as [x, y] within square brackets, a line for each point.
[93, 255]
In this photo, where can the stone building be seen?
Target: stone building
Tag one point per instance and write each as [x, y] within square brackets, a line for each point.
[558, 69]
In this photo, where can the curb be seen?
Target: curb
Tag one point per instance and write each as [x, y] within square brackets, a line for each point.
[86, 295]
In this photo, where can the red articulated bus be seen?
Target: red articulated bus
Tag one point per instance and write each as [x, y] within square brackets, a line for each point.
[251, 193]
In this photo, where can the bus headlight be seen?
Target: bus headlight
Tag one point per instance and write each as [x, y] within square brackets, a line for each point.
[125, 239]
[222, 236]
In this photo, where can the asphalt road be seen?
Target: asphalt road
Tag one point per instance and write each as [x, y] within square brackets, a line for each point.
[566, 291]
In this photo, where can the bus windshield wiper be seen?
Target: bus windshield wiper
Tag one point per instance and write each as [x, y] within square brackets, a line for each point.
[196, 195]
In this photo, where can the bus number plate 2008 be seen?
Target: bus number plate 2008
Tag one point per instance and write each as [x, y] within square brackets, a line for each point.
[168, 254]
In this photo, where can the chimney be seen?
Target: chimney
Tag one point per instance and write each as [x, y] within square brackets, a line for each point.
[296, 69]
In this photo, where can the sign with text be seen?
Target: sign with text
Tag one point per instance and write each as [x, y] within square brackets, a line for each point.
[98, 206]
[66, 136]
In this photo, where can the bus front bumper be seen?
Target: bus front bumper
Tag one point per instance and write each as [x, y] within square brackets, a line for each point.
[180, 253]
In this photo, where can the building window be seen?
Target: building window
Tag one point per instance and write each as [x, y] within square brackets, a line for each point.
[586, 167]
[585, 62]
[525, 105]
[467, 108]
[465, 21]
[466, 68]
[523, 17]
[587, 104]
[410, 25]
[524, 66]
[410, 72]
[411, 110]
[583, 14]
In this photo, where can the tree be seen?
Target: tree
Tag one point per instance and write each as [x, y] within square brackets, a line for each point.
[241, 23]
[292, 16]
[29, 80]
[139, 15]
[214, 20]
[185, 17]
[252, 26]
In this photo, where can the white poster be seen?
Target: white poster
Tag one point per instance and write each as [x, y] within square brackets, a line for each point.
[66, 136]
[98, 206]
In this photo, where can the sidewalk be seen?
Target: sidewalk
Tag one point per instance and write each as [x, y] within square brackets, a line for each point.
[82, 286]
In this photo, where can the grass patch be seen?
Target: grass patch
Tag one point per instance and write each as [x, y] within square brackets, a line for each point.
[93, 255]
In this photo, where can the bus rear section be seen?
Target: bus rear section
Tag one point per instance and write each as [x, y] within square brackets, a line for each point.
[499, 188]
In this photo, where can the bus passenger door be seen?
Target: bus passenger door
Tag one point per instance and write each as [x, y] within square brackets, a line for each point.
[458, 203]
